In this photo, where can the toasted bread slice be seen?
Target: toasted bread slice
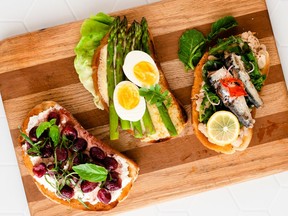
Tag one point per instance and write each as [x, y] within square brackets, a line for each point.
[39, 114]
[198, 79]
[176, 111]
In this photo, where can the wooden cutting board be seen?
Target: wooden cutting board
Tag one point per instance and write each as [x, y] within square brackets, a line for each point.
[39, 66]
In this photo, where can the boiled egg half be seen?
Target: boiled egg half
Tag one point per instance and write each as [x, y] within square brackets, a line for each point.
[140, 68]
[129, 105]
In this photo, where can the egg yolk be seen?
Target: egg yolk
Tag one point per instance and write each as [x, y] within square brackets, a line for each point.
[145, 72]
[128, 96]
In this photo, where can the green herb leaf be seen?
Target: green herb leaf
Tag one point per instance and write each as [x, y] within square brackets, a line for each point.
[224, 45]
[91, 172]
[42, 127]
[53, 121]
[191, 48]
[220, 25]
[27, 138]
[192, 43]
[54, 134]
[153, 95]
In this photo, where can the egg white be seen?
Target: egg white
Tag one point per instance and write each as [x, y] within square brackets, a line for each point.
[134, 114]
[131, 59]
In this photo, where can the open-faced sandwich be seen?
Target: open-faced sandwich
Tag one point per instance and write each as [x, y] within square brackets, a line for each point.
[127, 79]
[69, 165]
[225, 93]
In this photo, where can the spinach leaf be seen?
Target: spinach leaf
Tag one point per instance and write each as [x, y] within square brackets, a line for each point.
[91, 172]
[193, 43]
[220, 25]
[191, 47]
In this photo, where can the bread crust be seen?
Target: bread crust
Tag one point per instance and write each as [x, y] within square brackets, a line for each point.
[162, 82]
[227, 149]
[132, 166]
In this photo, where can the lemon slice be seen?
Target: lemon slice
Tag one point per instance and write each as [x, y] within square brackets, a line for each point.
[223, 128]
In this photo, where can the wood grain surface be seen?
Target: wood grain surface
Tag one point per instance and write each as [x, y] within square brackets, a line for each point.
[39, 66]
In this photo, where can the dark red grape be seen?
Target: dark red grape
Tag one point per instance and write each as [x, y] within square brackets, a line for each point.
[104, 196]
[47, 150]
[84, 158]
[97, 153]
[69, 132]
[79, 145]
[50, 166]
[98, 163]
[76, 160]
[114, 182]
[80, 159]
[39, 170]
[32, 134]
[61, 154]
[87, 186]
[110, 163]
[67, 192]
[54, 115]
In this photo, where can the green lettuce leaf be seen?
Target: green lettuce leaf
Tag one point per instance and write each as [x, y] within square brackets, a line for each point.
[92, 31]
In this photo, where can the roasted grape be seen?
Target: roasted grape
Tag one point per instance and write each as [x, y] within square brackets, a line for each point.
[114, 182]
[87, 186]
[110, 163]
[47, 150]
[39, 170]
[32, 134]
[79, 145]
[104, 196]
[61, 154]
[54, 115]
[97, 153]
[69, 132]
[67, 192]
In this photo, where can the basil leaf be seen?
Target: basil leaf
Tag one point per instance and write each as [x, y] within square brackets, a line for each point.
[54, 134]
[91, 172]
[53, 121]
[41, 128]
[220, 25]
[191, 48]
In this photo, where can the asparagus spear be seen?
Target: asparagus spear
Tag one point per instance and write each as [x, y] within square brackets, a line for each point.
[149, 127]
[129, 39]
[134, 39]
[113, 117]
[145, 36]
[119, 76]
[167, 120]
[162, 109]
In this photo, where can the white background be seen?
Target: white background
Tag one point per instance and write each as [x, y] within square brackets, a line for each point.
[267, 196]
